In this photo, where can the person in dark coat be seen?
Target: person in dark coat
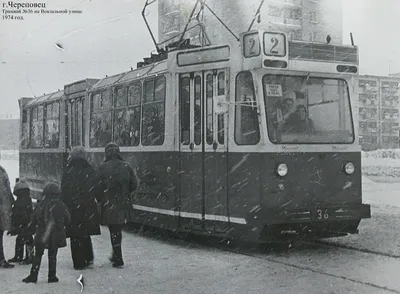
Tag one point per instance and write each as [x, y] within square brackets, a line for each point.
[117, 180]
[299, 122]
[20, 219]
[78, 193]
[6, 201]
[49, 218]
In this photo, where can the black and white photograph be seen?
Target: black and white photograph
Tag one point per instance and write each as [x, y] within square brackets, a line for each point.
[199, 146]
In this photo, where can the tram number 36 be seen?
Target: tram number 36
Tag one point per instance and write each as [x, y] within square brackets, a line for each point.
[322, 214]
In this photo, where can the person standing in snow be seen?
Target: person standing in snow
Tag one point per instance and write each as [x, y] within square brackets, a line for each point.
[20, 219]
[117, 180]
[78, 193]
[6, 201]
[50, 218]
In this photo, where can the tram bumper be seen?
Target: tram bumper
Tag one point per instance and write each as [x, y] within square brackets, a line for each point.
[320, 222]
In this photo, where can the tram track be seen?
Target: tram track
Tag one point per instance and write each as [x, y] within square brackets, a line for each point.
[310, 269]
[273, 255]
[349, 247]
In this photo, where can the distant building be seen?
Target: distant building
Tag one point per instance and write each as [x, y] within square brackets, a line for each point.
[308, 20]
[378, 110]
[9, 134]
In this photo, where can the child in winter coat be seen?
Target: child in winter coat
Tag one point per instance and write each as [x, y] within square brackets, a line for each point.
[50, 218]
[20, 219]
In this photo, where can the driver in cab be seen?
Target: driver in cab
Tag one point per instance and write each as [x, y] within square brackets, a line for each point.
[283, 112]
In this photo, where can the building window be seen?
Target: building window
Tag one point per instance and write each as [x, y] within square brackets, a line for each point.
[367, 83]
[247, 131]
[313, 36]
[275, 11]
[368, 99]
[293, 14]
[313, 17]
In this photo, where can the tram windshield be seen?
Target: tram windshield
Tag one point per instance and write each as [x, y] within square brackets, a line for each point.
[303, 109]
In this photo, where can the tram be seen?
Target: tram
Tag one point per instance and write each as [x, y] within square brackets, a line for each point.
[254, 141]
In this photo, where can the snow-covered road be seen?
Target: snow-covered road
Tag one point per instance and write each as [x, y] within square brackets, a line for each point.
[174, 266]
[154, 266]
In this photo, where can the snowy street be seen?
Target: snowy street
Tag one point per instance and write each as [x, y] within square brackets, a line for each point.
[153, 265]
[158, 267]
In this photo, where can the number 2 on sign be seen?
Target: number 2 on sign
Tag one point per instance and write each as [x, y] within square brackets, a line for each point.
[275, 42]
[323, 215]
[252, 44]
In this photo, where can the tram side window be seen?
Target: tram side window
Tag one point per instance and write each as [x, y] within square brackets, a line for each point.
[184, 96]
[247, 131]
[127, 115]
[220, 121]
[197, 110]
[37, 127]
[79, 123]
[100, 119]
[75, 122]
[52, 125]
[68, 106]
[209, 109]
[153, 120]
[25, 129]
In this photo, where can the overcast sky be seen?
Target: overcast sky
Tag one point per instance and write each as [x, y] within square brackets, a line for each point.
[110, 38]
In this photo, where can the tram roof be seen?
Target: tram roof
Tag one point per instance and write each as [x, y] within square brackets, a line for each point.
[131, 75]
[46, 98]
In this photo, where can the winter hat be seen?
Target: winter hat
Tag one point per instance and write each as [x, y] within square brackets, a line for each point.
[112, 148]
[21, 185]
[77, 152]
[51, 189]
[112, 151]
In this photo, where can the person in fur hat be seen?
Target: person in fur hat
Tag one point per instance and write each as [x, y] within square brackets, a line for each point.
[20, 219]
[50, 218]
[78, 193]
[6, 201]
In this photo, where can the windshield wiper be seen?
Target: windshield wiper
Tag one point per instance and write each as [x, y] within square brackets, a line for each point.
[323, 102]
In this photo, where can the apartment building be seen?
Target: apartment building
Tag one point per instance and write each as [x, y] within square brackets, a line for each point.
[378, 110]
[309, 20]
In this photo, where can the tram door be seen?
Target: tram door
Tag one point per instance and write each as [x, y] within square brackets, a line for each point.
[203, 158]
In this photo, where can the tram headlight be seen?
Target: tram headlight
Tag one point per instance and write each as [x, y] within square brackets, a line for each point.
[349, 168]
[282, 170]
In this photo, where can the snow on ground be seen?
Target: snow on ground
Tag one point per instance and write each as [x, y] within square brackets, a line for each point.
[380, 193]
[382, 165]
[155, 266]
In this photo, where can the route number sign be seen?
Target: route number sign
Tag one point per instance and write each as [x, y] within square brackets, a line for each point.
[251, 45]
[274, 44]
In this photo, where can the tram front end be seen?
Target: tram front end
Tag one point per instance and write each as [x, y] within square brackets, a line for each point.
[309, 161]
